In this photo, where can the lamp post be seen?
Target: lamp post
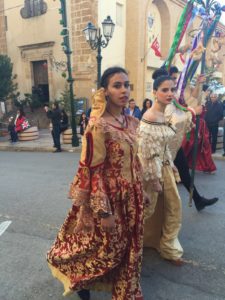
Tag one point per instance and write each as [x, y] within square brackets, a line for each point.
[95, 40]
[67, 50]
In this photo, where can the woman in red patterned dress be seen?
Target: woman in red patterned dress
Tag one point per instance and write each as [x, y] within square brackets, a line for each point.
[100, 243]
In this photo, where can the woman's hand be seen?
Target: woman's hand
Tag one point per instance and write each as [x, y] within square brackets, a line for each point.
[108, 224]
[198, 109]
[201, 78]
[156, 186]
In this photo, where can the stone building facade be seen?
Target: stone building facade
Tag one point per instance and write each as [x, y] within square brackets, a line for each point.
[3, 45]
[33, 42]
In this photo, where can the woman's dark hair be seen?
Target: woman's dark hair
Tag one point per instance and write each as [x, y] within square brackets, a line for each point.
[145, 101]
[173, 69]
[159, 81]
[22, 113]
[159, 72]
[109, 73]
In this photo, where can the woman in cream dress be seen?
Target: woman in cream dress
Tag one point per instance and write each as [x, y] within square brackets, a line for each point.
[163, 220]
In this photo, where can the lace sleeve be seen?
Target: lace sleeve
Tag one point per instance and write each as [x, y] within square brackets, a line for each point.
[149, 153]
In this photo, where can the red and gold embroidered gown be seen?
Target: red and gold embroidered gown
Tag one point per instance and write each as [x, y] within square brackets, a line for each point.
[204, 161]
[109, 179]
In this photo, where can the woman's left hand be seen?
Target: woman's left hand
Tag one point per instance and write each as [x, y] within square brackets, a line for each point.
[147, 200]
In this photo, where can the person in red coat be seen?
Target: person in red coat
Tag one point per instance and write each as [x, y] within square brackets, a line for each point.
[21, 123]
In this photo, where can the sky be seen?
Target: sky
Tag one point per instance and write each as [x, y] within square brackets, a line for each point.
[222, 2]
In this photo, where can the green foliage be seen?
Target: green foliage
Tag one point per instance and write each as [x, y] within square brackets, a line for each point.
[30, 100]
[8, 88]
[64, 100]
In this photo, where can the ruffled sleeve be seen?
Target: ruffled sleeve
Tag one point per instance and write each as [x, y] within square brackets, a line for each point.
[87, 188]
[149, 152]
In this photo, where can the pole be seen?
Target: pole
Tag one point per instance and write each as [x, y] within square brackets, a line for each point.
[75, 140]
[70, 80]
[99, 59]
[197, 124]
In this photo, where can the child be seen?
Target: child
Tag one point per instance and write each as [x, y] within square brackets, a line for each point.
[12, 131]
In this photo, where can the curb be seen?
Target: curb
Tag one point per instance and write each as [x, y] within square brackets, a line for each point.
[38, 149]
[218, 157]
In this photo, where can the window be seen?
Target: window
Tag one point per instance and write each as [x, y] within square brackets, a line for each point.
[119, 14]
[33, 8]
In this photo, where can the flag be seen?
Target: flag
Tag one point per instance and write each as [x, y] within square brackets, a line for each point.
[156, 48]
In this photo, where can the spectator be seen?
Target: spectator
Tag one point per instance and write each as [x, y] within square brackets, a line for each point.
[147, 103]
[55, 116]
[12, 130]
[214, 113]
[88, 113]
[21, 122]
[133, 110]
[83, 123]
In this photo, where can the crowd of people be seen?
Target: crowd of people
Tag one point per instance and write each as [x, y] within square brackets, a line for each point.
[124, 194]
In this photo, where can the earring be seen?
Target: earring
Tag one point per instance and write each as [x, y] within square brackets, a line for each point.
[156, 99]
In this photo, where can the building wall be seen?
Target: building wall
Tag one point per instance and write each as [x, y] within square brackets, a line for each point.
[84, 62]
[38, 38]
[34, 39]
[84, 58]
[3, 45]
[114, 54]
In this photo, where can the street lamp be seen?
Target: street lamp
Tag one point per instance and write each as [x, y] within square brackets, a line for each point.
[67, 50]
[95, 40]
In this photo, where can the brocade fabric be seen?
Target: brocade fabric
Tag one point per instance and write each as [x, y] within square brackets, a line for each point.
[109, 179]
[153, 148]
[182, 121]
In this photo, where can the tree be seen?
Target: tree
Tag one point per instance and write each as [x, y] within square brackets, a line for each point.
[8, 88]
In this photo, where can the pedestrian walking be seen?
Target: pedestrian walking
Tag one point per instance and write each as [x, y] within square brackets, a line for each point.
[99, 245]
[163, 221]
[55, 116]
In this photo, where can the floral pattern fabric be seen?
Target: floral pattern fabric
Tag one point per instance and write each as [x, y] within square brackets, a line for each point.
[109, 179]
[153, 148]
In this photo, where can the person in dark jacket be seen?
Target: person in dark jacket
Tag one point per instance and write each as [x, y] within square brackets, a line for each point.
[133, 110]
[214, 113]
[55, 116]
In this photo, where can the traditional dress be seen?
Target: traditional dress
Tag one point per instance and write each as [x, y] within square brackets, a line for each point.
[109, 179]
[163, 220]
[182, 119]
[204, 160]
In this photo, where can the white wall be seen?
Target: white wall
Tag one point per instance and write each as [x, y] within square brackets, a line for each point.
[114, 54]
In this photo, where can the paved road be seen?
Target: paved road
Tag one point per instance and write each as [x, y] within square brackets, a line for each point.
[33, 189]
